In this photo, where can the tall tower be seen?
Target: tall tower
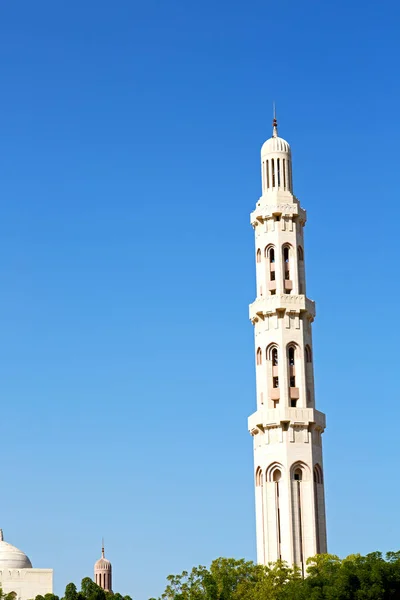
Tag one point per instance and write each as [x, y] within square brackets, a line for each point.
[286, 427]
[103, 572]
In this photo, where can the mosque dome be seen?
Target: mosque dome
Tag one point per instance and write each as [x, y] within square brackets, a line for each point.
[11, 557]
[102, 563]
[276, 164]
[275, 144]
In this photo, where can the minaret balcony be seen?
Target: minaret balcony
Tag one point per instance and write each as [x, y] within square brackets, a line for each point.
[290, 302]
[272, 285]
[283, 414]
[284, 203]
[294, 393]
[275, 394]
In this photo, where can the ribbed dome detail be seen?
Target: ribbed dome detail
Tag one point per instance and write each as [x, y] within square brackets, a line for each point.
[103, 563]
[276, 164]
[11, 557]
[275, 144]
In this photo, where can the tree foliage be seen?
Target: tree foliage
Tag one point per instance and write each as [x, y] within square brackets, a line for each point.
[370, 577]
[89, 591]
[8, 595]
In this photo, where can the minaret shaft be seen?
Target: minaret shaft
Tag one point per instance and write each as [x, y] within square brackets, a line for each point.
[286, 428]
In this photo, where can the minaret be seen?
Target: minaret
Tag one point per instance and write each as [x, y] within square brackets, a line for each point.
[103, 572]
[286, 428]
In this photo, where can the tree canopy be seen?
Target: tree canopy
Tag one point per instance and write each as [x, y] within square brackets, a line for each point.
[370, 577]
[89, 591]
[7, 596]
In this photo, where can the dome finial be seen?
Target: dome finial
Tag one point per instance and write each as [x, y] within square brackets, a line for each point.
[1, 535]
[274, 122]
[102, 547]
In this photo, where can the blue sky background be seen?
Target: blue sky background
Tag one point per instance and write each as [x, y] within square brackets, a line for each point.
[129, 163]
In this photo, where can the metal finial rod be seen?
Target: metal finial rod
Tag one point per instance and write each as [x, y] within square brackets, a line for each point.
[274, 122]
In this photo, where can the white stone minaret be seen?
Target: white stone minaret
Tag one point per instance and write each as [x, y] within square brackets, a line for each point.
[286, 428]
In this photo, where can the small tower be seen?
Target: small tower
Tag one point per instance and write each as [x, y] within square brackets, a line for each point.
[286, 427]
[103, 572]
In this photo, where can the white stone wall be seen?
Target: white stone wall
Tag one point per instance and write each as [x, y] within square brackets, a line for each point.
[286, 428]
[27, 583]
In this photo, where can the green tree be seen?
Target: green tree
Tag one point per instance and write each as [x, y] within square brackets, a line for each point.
[91, 591]
[231, 579]
[370, 577]
[71, 593]
[7, 595]
[51, 597]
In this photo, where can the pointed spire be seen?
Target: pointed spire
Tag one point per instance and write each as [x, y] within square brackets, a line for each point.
[274, 122]
[1, 535]
[102, 547]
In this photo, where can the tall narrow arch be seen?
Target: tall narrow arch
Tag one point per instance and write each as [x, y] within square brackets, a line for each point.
[259, 356]
[301, 271]
[287, 260]
[272, 350]
[259, 476]
[269, 252]
[318, 477]
[308, 354]
[274, 472]
[300, 468]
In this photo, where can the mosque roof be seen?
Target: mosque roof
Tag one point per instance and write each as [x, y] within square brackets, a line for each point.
[275, 143]
[103, 562]
[12, 557]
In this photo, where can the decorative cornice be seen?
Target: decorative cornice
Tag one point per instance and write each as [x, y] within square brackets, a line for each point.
[270, 305]
[279, 417]
[268, 211]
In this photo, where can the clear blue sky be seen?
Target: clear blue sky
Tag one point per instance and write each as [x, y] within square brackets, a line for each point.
[129, 163]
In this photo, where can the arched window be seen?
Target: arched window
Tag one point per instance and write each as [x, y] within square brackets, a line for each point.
[293, 391]
[258, 255]
[274, 357]
[301, 270]
[286, 254]
[271, 255]
[286, 269]
[274, 472]
[273, 477]
[259, 356]
[298, 474]
[318, 478]
[308, 354]
[291, 355]
[276, 475]
[259, 476]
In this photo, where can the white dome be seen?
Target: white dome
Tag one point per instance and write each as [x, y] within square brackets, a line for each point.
[275, 144]
[102, 564]
[11, 557]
